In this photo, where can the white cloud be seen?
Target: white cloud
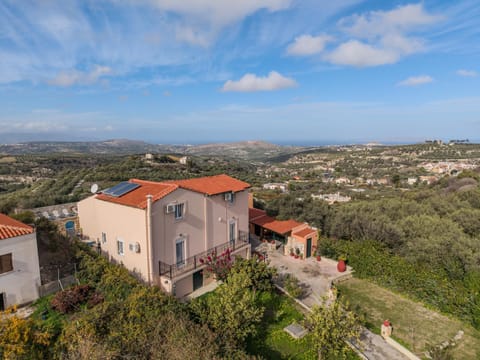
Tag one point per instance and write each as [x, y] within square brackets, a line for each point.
[384, 36]
[191, 36]
[75, 77]
[467, 73]
[308, 45]
[200, 21]
[252, 82]
[378, 23]
[416, 80]
[219, 13]
[356, 53]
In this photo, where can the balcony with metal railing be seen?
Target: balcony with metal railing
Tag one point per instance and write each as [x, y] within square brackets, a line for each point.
[196, 262]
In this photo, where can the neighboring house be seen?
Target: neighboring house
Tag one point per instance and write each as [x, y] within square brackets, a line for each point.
[428, 179]
[163, 230]
[342, 180]
[332, 198]
[183, 160]
[412, 181]
[293, 234]
[276, 186]
[19, 266]
[63, 215]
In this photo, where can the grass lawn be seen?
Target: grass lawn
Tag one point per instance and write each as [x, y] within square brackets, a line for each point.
[272, 342]
[407, 317]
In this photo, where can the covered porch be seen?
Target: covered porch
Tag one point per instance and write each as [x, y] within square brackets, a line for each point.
[293, 235]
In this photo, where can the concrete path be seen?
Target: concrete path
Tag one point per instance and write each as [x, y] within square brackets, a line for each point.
[317, 277]
[199, 292]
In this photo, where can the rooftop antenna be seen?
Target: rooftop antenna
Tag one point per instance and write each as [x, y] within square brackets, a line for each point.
[94, 188]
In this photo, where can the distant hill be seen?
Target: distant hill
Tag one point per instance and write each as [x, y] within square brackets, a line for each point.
[246, 150]
[113, 146]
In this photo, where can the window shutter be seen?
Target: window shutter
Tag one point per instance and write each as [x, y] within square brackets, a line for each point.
[6, 263]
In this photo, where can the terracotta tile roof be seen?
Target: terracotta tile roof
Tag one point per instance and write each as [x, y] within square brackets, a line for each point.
[281, 226]
[138, 197]
[210, 185]
[261, 220]
[255, 213]
[260, 217]
[213, 185]
[11, 228]
[304, 232]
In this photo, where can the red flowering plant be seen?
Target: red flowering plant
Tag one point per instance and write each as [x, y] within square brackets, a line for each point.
[218, 264]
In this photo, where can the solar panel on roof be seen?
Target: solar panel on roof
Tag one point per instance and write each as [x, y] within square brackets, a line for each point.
[121, 189]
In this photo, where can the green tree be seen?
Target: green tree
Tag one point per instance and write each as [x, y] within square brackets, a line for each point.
[330, 326]
[232, 313]
[261, 275]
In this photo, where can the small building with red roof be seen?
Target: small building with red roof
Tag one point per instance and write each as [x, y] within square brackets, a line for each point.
[162, 231]
[293, 234]
[19, 265]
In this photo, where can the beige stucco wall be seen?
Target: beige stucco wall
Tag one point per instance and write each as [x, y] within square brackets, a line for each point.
[204, 225]
[184, 286]
[166, 230]
[21, 284]
[117, 222]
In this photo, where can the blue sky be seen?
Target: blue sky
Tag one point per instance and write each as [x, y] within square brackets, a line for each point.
[196, 71]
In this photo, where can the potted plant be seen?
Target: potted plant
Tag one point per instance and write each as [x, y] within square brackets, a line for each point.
[292, 253]
[341, 265]
[318, 256]
[297, 253]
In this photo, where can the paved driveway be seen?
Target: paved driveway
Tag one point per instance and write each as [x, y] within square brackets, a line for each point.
[316, 277]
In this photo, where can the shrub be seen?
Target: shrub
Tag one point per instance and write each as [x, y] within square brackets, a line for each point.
[67, 300]
[260, 274]
[292, 285]
[219, 265]
[95, 299]
[23, 339]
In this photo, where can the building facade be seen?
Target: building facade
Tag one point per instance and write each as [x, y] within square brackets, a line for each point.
[19, 265]
[162, 231]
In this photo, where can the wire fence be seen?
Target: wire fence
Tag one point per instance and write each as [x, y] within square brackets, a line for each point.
[57, 277]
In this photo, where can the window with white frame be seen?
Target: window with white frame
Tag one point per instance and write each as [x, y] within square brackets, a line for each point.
[6, 263]
[229, 197]
[120, 248]
[180, 251]
[232, 231]
[179, 211]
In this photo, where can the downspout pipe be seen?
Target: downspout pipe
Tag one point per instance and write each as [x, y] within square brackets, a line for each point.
[149, 239]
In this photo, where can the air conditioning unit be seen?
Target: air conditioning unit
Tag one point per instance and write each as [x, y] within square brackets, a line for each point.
[228, 196]
[134, 247]
[170, 208]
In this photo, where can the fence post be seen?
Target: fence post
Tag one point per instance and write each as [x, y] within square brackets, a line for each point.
[58, 277]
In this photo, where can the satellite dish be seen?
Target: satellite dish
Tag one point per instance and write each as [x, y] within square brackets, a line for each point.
[94, 189]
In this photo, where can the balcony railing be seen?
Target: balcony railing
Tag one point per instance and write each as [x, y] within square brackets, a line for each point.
[193, 262]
